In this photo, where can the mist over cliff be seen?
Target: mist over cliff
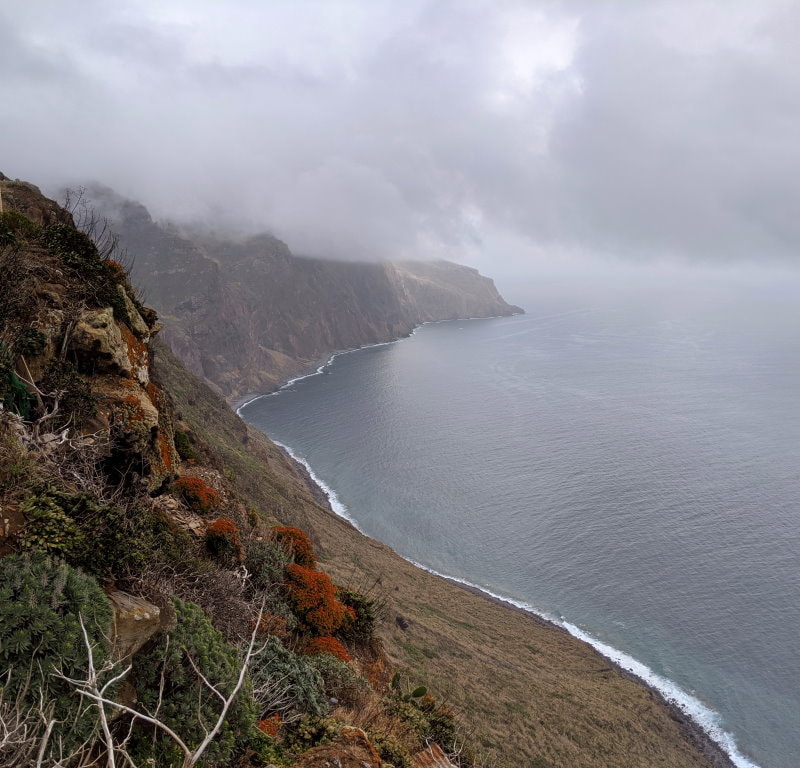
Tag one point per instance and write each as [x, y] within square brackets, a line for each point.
[247, 314]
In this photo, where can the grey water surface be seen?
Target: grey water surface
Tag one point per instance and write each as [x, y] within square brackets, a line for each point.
[625, 458]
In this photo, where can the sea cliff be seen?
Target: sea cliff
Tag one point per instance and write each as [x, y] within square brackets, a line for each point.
[247, 314]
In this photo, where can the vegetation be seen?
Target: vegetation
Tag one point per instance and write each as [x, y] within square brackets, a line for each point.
[286, 684]
[198, 494]
[297, 544]
[312, 597]
[42, 604]
[167, 682]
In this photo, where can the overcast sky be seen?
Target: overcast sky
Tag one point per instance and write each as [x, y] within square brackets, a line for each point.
[486, 131]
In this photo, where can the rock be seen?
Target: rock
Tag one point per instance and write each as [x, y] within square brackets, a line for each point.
[97, 339]
[431, 757]
[351, 750]
[134, 622]
[137, 324]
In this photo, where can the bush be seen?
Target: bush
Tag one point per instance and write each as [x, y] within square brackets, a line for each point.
[222, 538]
[76, 402]
[198, 494]
[100, 538]
[183, 445]
[297, 543]
[16, 228]
[341, 681]
[31, 342]
[14, 395]
[188, 706]
[79, 255]
[40, 601]
[327, 645]
[391, 750]
[266, 562]
[363, 625]
[286, 684]
[310, 731]
[312, 597]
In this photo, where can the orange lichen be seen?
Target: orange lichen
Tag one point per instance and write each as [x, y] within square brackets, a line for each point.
[329, 645]
[198, 494]
[297, 543]
[138, 355]
[164, 452]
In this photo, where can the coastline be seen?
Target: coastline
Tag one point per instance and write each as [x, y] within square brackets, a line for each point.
[708, 738]
[694, 732]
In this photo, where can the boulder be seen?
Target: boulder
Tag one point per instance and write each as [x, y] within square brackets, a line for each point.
[97, 339]
[134, 622]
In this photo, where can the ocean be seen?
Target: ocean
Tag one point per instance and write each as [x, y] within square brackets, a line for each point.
[623, 459]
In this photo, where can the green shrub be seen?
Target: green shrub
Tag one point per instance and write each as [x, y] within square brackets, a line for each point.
[266, 562]
[100, 538]
[286, 683]
[99, 276]
[341, 681]
[310, 731]
[188, 706]
[40, 600]
[391, 750]
[31, 342]
[14, 395]
[16, 228]
[76, 402]
[183, 445]
[264, 750]
[363, 626]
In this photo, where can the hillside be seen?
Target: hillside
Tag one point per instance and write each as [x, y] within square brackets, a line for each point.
[248, 314]
[142, 516]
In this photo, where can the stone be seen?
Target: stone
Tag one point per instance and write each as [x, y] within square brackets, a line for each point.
[97, 338]
[137, 324]
[134, 622]
[351, 750]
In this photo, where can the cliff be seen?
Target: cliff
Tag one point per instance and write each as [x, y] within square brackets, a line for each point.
[248, 314]
[142, 519]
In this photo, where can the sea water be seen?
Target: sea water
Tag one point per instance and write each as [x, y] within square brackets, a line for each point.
[624, 459]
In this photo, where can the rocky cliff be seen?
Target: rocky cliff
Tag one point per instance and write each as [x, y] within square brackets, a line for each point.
[248, 314]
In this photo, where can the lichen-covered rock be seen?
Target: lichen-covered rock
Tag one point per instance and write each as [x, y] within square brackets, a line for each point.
[134, 622]
[135, 320]
[351, 750]
[97, 339]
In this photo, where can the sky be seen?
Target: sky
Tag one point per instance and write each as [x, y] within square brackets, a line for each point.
[507, 134]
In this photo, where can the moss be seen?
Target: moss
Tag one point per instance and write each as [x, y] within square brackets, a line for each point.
[183, 445]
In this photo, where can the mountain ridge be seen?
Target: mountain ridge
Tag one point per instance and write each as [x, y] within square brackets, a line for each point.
[248, 314]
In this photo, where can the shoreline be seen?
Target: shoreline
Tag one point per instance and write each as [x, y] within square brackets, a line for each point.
[694, 732]
[318, 366]
[708, 738]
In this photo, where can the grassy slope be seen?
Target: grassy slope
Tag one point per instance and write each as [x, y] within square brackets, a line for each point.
[531, 694]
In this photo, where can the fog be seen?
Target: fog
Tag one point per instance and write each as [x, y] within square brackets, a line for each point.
[521, 137]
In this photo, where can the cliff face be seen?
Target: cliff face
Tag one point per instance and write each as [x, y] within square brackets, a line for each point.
[247, 315]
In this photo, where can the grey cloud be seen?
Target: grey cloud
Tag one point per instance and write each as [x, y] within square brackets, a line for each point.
[473, 130]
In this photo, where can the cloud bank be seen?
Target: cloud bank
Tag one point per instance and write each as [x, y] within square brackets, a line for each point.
[478, 130]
